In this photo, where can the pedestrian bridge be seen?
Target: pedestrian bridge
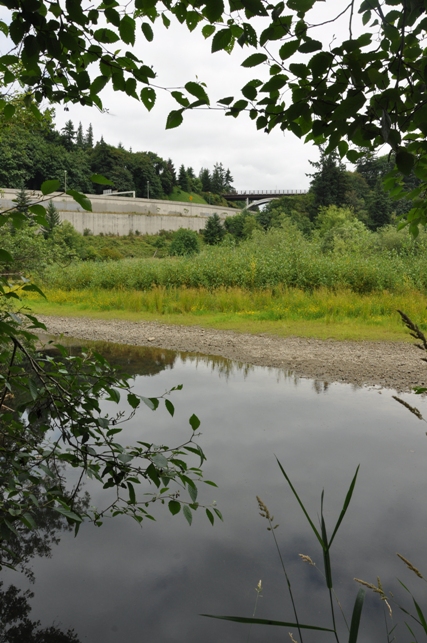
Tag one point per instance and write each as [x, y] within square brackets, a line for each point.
[256, 195]
[259, 197]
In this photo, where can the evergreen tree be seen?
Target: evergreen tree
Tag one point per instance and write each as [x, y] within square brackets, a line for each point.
[228, 182]
[205, 178]
[171, 170]
[68, 134]
[79, 136]
[53, 220]
[22, 201]
[214, 231]
[183, 179]
[379, 207]
[89, 137]
[330, 183]
[218, 179]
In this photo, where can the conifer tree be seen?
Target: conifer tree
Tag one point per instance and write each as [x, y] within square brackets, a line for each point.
[214, 231]
[53, 220]
[205, 178]
[89, 137]
[183, 179]
[68, 134]
[79, 136]
[330, 183]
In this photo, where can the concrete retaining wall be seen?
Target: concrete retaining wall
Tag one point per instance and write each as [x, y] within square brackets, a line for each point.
[121, 215]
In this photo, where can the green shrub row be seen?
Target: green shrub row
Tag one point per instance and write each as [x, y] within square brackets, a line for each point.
[278, 258]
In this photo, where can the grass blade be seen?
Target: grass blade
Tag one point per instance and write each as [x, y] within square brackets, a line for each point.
[346, 504]
[357, 613]
[326, 557]
[420, 615]
[312, 525]
[264, 621]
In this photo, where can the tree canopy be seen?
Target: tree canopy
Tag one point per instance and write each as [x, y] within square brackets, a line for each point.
[357, 93]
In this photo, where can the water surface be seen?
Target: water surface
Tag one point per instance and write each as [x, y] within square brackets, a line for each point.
[122, 583]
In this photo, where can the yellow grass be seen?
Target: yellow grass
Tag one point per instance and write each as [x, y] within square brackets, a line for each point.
[323, 314]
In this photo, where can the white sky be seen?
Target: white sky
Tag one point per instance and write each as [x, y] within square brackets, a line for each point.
[256, 160]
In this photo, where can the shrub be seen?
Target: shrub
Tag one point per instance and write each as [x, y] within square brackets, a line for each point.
[184, 243]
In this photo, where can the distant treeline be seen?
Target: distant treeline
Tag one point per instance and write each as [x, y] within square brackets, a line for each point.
[33, 151]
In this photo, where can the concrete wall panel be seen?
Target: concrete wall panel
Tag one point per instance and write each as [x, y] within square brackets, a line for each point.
[121, 215]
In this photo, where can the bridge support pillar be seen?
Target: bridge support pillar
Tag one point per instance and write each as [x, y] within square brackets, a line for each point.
[247, 201]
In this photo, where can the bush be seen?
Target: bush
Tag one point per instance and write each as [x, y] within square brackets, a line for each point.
[184, 243]
[214, 231]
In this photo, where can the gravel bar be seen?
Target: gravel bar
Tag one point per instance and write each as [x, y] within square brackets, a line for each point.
[392, 365]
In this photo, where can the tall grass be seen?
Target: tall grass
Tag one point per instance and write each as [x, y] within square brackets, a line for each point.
[266, 261]
[261, 304]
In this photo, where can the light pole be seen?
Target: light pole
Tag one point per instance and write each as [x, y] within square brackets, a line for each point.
[65, 180]
[148, 189]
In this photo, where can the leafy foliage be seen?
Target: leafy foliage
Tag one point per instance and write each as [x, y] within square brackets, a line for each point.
[184, 243]
[214, 231]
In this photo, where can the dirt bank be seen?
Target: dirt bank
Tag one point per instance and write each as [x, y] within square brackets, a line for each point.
[386, 364]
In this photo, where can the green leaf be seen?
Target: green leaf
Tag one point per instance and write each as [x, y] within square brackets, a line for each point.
[101, 180]
[50, 186]
[315, 531]
[127, 30]
[147, 31]
[213, 10]
[192, 490]
[226, 101]
[254, 60]
[148, 97]
[288, 49]
[187, 513]
[8, 111]
[221, 40]
[208, 30]
[170, 407]
[106, 36]
[5, 256]
[174, 507]
[174, 119]
[219, 514]
[356, 616]
[33, 288]
[34, 392]
[69, 514]
[98, 84]
[197, 90]
[194, 422]
[350, 106]
[38, 209]
[309, 46]
[132, 497]
[160, 461]
[264, 621]
[81, 199]
[249, 91]
[405, 161]
[345, 505]
[28, 521]
[210, 516]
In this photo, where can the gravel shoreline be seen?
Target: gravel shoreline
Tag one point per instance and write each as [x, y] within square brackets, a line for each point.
[390, 365]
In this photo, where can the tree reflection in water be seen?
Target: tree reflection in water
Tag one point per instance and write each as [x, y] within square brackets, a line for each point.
[16, 625]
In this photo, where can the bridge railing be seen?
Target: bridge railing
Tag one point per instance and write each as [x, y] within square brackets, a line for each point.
[278, 192]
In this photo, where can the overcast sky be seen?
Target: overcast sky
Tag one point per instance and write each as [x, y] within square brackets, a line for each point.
[256, 160]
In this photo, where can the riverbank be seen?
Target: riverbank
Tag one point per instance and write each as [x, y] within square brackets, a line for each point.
[394, 365]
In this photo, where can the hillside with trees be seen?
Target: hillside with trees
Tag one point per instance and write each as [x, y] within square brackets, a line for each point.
[33, 151]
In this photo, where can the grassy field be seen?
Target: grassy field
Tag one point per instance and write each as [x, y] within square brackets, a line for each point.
[323, 314]
[279, 282]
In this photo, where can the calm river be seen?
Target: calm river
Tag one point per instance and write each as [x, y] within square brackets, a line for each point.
[125, 584]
